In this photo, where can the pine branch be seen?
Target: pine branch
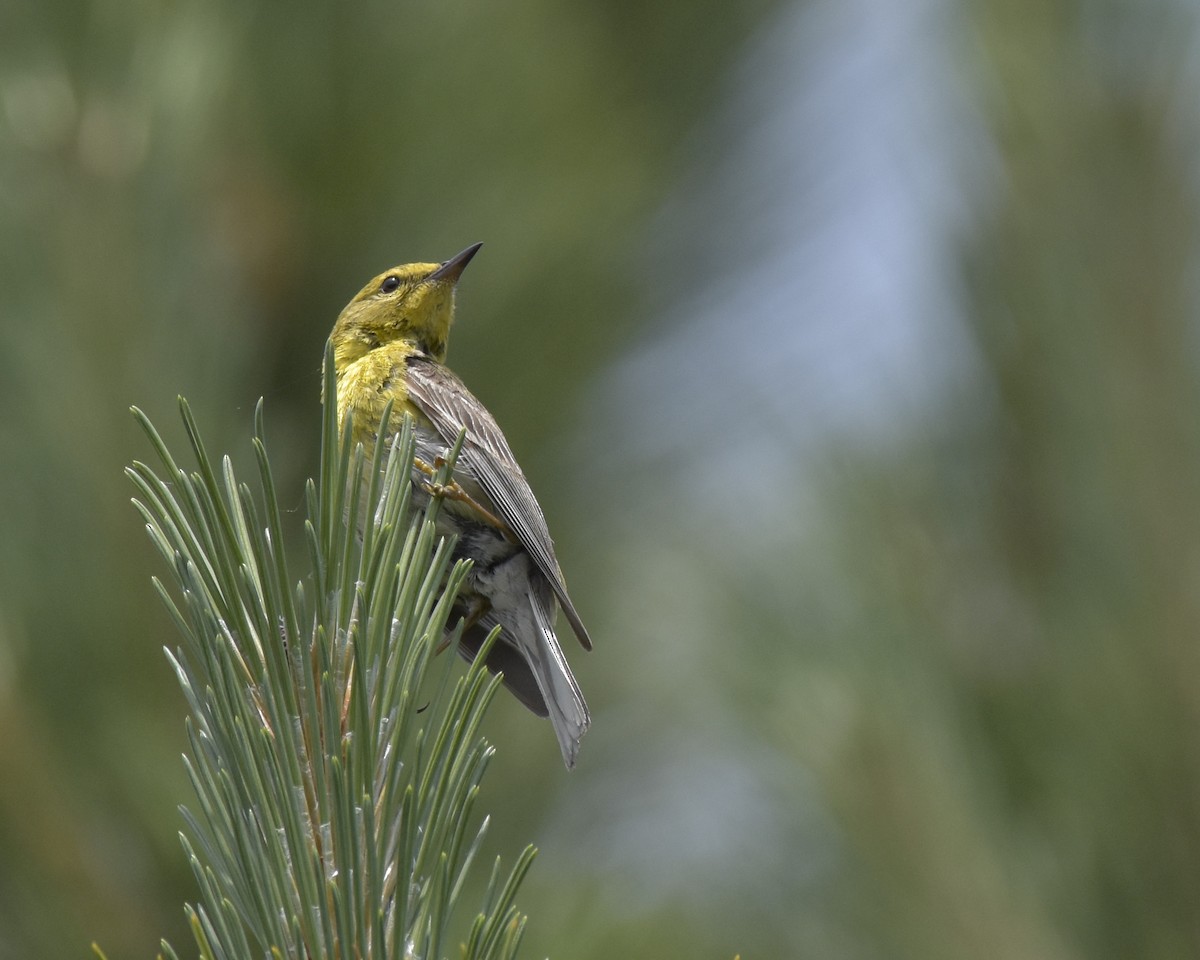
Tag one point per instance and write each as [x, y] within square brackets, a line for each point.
[336, 764]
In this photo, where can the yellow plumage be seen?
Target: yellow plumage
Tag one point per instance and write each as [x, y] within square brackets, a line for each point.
[365, 386]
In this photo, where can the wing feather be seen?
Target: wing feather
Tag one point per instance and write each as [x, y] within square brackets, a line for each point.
[486, 456]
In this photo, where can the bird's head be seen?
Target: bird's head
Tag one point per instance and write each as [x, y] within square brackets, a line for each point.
[413, 303]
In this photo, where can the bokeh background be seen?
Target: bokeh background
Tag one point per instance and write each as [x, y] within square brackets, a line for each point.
[851, 346]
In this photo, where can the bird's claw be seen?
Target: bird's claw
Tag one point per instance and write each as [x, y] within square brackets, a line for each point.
[454, 491]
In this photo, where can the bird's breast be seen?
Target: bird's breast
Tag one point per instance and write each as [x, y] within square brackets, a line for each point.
[364, 388]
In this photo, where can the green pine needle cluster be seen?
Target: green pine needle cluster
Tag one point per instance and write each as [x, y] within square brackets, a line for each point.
[336, 761]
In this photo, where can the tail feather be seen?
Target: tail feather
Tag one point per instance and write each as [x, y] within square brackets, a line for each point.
[536, 672]
[504, 658]
[568, 711]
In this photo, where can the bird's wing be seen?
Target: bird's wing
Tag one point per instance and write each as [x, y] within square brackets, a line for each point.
[450, 406]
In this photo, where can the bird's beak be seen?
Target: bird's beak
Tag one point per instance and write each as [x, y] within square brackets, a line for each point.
[452, 269]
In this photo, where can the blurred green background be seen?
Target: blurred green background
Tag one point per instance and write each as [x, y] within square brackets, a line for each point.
[850, 346]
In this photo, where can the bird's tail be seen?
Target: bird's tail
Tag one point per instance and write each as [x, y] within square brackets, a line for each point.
[564, 701]
[533, 665]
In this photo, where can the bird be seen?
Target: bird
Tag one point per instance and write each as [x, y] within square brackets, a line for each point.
[389, 345]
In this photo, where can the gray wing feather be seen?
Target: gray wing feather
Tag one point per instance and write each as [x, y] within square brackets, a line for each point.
[450, 406]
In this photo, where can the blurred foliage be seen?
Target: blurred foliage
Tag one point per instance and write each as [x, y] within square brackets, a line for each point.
[941, 706]
[978, 638]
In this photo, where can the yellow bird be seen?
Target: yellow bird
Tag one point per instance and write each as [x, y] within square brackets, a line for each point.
[389, 343]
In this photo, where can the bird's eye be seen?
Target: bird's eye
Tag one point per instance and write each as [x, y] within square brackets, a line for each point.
[389, 284]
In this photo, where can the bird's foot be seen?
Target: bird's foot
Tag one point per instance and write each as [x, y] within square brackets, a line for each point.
[454, 491]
